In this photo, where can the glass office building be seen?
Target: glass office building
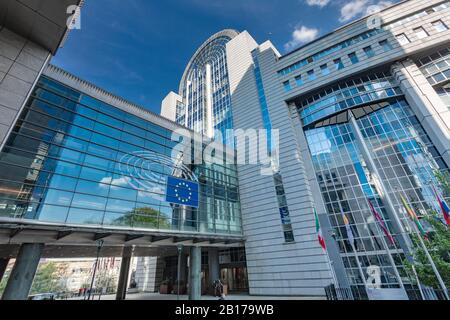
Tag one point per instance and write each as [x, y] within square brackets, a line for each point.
[205, 90]
[77, 161]
[368, 147]
[436, 68]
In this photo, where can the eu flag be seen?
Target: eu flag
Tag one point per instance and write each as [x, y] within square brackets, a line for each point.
[182, 192]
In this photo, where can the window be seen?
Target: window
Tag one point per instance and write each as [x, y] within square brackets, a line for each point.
[338, 64]
[311, 75]
[385, 45]
[369, 52]
[439, 26]
[299, 80]
[353, 57]
[420, 33]
[402, 39]
[325, 70]
[287, 86]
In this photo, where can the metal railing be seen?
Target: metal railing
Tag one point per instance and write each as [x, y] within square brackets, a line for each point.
[358, 293]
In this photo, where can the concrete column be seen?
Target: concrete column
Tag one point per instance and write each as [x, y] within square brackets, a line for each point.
[22, 275]
[213, 265]
[195, 269]
[3, 265]
[183, 265]
[127, 253]
[186, 110]
[209, 103]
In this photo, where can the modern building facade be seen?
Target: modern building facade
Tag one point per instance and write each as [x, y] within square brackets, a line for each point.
[359, 127]
[84, 170]
[363, 121]
[72, 159]
[203, 103]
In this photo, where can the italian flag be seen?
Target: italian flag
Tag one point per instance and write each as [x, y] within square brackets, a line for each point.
[319, 231]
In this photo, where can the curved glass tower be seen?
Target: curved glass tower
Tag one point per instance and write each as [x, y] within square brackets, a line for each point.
[205, 90]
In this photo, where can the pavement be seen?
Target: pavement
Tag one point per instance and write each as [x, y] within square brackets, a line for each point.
[237, 297]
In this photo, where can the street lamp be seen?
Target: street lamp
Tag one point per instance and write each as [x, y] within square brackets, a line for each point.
[99, 248]
[180, 251]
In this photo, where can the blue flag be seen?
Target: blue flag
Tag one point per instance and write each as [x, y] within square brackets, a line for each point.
[182, 192]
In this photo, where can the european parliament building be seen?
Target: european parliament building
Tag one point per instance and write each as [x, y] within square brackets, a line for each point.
[363, 122]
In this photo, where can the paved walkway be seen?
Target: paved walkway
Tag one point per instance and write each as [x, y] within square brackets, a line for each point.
[240, 297]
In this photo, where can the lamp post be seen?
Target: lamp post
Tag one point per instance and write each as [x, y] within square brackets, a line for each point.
[180, 251]
[99, 248]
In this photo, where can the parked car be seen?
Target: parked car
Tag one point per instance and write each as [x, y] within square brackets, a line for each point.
[43, 296]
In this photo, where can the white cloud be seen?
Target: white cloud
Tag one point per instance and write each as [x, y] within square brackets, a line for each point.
[300, 36]
[318, 3]
[358, 8]
[353, 9]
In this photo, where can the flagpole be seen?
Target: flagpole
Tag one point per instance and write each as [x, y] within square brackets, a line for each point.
[433, 265]
[418, 283]
[430, 260]
[324, 247]
[333, 274]
[361, 272]
[440, 199]
[386, 247]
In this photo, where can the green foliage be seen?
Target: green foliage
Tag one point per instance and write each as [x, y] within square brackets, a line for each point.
[106, 280]
[145, 217]
[3, 283]
[47, 280]
[444, 181]
[438, 246]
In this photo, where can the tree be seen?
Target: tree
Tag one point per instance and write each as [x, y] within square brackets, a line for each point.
[146, 217]
[107, 281]
[47, 280]
[444, 181]
[438, 246]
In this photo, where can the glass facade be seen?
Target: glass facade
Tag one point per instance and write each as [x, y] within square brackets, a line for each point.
[436, 68]
[367, 152]
[208, 69]
[360, 38]
[74, 160]
[347, 95]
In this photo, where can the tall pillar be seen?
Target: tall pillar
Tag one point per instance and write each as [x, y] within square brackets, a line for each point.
[23, 272]
[183, 267]
[195, 269]
[213, 265]
[209, 103]
[127, 253]
[3, 265]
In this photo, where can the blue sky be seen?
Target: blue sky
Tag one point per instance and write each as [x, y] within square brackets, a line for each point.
[138, 49]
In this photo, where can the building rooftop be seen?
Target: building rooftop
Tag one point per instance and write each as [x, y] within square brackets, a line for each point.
[348, 25]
